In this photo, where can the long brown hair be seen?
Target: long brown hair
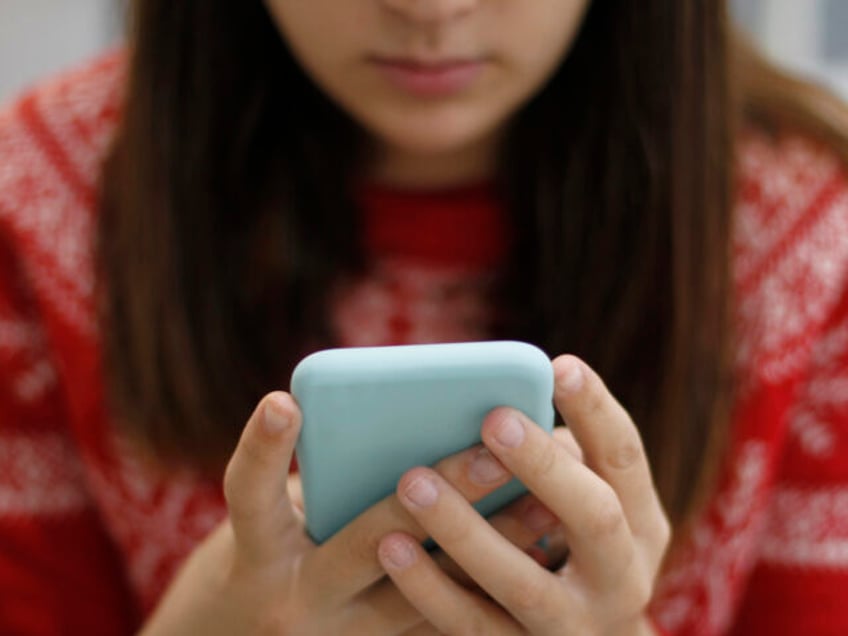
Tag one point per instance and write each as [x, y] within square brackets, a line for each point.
[226, 215]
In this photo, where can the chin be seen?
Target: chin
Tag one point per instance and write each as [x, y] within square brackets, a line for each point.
[447, 133]
[415, 143]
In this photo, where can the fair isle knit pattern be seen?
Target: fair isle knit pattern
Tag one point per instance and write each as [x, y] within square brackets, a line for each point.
[90, 534]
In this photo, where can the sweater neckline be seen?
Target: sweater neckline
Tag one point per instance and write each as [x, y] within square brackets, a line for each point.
[462, 226]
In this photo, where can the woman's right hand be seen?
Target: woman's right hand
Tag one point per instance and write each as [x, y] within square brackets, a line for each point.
[258, 572]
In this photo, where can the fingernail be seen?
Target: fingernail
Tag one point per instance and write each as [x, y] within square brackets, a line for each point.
[399, 554]
[485, 469]
[510, 432]
[571, 379]
[275, 418]
[422, 492]
[538, 517]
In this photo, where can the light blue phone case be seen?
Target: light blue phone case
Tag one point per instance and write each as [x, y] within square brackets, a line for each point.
[372, 413]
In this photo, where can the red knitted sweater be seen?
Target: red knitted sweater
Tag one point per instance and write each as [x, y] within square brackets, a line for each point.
[90, 535]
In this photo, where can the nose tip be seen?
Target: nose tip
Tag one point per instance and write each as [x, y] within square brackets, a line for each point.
[430, 10]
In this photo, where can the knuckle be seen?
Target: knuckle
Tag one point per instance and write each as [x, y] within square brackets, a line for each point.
[545, 459]
[607, 517]
[659, 540]
[361, 547]
[566, 439]
[252, 450]
[638, 592]
[272, 624]
[455, 471]
[455, 533]
[477, 627]
[627, 453]
[643, 592]
[231, 486]
[595, 396]
[290, 617]
[239, 510]
[473, 624]
[528, 596]
[234, 493]
[632, 595]
[664, 531]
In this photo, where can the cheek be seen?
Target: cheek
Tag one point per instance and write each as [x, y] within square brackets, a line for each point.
[318, 32]
[542, 36]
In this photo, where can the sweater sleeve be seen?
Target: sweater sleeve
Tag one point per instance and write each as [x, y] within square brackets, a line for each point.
[800, 582]
[769, 552]
[59, 571]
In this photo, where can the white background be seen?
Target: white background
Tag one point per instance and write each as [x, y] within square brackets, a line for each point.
[40, 37]
[810, 36]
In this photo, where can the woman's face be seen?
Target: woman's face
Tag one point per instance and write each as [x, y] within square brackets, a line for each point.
[433, 81]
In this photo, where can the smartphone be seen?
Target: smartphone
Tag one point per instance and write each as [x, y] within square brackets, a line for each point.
[372, 413]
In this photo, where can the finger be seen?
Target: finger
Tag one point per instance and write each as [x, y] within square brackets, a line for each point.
[475, 473]
[529, 592]
[255, 481]
[523, 523]
[347, 563]
[594, 523]
[612, 447]
[294, 488]
[568, 441]
[423, 629]
[448, 606]
[383, 609]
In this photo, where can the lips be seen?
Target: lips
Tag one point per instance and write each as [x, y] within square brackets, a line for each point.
[432, 78]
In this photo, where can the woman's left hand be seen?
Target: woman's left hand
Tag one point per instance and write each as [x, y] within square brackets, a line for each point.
[615, 527]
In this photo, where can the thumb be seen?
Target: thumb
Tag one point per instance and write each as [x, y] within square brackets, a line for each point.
[256, 477]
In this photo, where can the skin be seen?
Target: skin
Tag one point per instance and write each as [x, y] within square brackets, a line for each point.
[591, 486]
[425, 142]
[259, 573]
[611, 517]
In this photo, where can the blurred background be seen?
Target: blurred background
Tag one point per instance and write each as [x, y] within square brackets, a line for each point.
[39, 37]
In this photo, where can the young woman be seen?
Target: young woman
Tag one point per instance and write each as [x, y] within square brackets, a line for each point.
[625, 185]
